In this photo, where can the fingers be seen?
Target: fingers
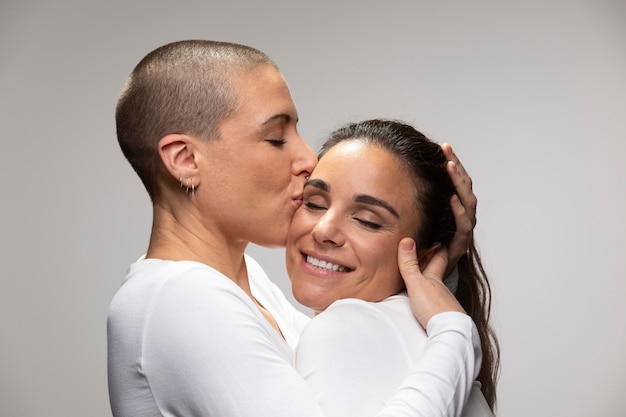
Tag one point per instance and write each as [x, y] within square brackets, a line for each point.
[464, 188]
[451, 156]
[463, 206]
[427, 293]
[462, 237]
[464, 222]
[462, 182]
[408, 263]
[437, 266]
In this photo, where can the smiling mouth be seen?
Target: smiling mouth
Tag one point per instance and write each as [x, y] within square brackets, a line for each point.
[326, 265]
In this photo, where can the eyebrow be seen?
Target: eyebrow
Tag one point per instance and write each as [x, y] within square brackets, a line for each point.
[359, 198]
[286, 118]
[320, 184]
[368, 199]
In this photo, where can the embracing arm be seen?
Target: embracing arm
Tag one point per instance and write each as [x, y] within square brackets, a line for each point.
[453, 354]
[208, 351]
[363, 362]
[440, 383]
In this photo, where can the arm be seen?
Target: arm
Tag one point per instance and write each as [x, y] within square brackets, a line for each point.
[354, 356]
[443, 377]
[208, 351]
[432, 302]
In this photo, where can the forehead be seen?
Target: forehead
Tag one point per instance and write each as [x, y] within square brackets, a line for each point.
[374, 161]
[358, 167]
[262, 92]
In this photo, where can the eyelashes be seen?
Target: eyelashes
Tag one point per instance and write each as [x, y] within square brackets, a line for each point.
[276, 142]
[366, 223]
[313, 206]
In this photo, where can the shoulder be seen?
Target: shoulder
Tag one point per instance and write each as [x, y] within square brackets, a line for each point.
[348, 319]
[355, 349]
[153, 274]
[348, 314]
[160, 293]
[351, 314]
[192, 302]
[188, 277]
[357, 322]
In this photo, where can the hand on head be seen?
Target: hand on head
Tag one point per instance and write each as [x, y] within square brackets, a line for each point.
[463, 206]
[427, 292]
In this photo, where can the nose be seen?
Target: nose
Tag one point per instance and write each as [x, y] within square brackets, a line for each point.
[327, 230]
[305, 159]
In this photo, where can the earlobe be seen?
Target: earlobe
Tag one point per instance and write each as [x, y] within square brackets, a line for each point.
[177, 153]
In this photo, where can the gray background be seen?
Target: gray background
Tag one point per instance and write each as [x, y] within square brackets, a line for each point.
[531, 94]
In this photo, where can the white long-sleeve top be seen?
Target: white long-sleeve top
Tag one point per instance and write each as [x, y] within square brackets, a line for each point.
[185, 340]
[356, 354]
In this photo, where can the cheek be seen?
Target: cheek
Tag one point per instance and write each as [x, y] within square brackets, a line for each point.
[269, 175]
[271, 185]
[277, 170]
[297, 229]
[383, 263]
[301, 224]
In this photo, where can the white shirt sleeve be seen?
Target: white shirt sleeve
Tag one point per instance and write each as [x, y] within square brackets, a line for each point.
[203, 348]
[353, 358]
[442, 379]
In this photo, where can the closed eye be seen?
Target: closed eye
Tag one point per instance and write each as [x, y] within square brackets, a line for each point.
[276, 142]
[368, 224]
[313, 206]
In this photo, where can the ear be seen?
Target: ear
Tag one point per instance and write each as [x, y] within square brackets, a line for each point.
[178, 154]
[425, 255]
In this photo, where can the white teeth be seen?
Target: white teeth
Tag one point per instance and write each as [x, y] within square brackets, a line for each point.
[325, 265]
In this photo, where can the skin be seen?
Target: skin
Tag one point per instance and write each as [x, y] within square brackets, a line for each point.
[353, 221]
[463, 206]
[250, 180]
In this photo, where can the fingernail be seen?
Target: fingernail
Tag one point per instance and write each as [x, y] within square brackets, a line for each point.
[408, 245]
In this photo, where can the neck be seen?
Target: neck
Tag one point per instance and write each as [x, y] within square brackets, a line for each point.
[187, 239]
[184, 237]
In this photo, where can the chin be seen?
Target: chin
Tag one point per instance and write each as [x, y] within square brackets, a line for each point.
[309, 300]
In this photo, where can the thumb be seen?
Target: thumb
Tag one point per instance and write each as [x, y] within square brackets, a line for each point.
[436, 268]
[407, 261]
[427, 294]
